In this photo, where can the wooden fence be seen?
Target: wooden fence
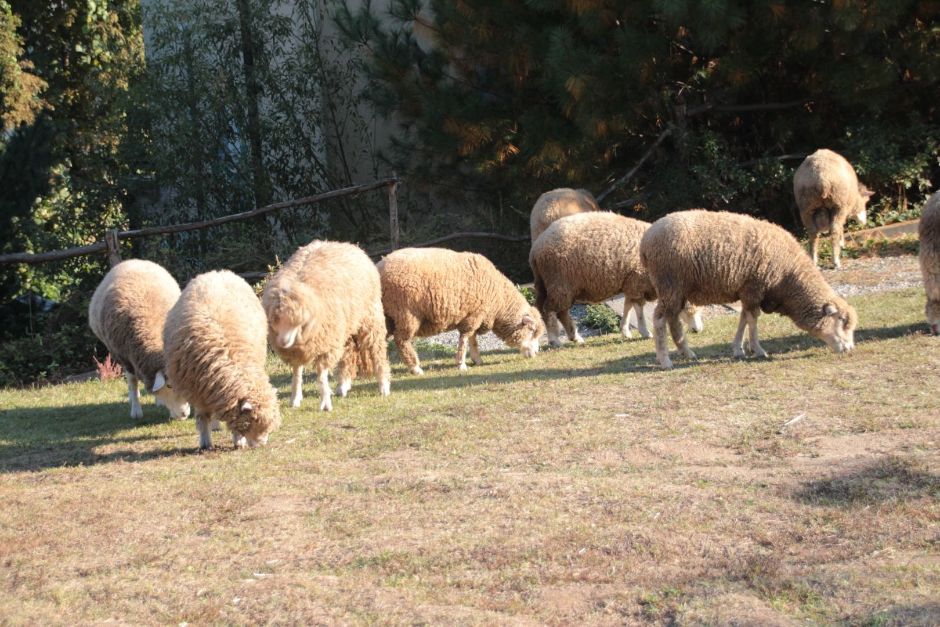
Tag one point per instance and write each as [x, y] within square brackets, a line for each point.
[110, 243]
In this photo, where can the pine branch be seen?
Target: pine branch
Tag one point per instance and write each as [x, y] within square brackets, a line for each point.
[623, 180]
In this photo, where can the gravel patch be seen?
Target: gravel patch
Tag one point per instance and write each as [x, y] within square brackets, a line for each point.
[857, 277]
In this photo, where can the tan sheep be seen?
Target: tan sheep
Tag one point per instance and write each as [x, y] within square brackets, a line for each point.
[828, 193]
[426, 291]
[324, 307]
[215, 346]
[588, 258]
[559, 203]
[126, 313]
[706, 257]
[929, 232]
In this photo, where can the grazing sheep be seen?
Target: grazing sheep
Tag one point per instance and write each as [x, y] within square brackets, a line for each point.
[214, 340]
[126, 313]
[559, 203]
[708, 257]
[588, 258]
[929, 231]
[324, 307]
[828, 193]
[426, 291]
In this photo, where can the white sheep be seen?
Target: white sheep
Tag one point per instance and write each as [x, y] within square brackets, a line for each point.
[556, 204]
[929, 232]
[426, 291]
[215, 345]
[706, 257]
[324, 307]
[126, 313]
[827, 193]
[588, 258]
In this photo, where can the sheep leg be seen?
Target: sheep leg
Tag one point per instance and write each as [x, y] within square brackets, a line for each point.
[837, 243]
[297, 386]
[133, 394]
[814, 247]
[326, 400]
[239, 441]
[348, 369]
[408, 354]
[475, 350]
[205, 432]
[679, 337]
[752, 323]
[737, 344]
[462, 351]
[565, 317]
[553, 327]
[640, 320]
[659, 332]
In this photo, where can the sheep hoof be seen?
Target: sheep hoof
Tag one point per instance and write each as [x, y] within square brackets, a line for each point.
[760, 353]
[417, 371]
[326, 404]
[738, 353]
[295, 402]
[578, 339]
[385, 388]
[137, 413]
[666, 363]
[688, 354]
[462, 367]
[645, 334]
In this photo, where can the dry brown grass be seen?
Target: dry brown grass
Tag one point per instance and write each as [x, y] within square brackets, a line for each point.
[583, 486]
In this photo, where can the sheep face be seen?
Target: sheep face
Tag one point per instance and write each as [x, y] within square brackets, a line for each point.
[933, 316]
[861, 210]
[692, 317]
[253, 421]
[169, 398]
[836, 327]
[287, 314]
[525, 334]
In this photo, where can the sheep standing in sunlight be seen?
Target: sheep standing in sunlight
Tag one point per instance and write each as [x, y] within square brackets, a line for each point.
[215, 346]
[556, 204]
[706, 257]
[324, 307]
[127, 313]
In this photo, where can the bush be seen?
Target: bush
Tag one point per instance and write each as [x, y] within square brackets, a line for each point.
[528, 293]
[602, 318]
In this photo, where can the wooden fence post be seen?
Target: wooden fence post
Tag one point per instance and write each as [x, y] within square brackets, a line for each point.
[394, 232]
[114, 247]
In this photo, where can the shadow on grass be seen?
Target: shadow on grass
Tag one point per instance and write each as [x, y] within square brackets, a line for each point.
[48, 437]
[887, 479]
[907, 615]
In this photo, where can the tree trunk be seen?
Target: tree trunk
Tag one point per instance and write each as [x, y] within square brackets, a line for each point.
[260, 183]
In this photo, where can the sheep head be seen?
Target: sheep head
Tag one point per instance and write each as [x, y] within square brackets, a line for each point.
[861, 211]
[167, 396]
[525, 332]
[253, 418]
[288, 308]
[836, 325]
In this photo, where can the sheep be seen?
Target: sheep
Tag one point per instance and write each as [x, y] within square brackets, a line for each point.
[215, 345]
[590, 257]
[426, 291]
[559, 203]
[324, 306]
[708, 257]
[828, 193]
[127, 312]
[929, 233]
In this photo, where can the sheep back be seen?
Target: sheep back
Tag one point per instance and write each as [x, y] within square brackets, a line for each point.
[556, 204]
[929, 256]
[827, 190]
[127, 313]
[591, 257]
[215, 345]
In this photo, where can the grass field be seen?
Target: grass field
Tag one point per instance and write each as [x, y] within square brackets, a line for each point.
[583, 486]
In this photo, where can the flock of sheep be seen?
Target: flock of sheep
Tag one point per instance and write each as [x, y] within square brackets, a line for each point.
[329, 307]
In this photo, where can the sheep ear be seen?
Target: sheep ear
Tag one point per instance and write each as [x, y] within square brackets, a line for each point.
[865, 192]
[159, 381]
[527, 321]
[246, 406]
[830, 310]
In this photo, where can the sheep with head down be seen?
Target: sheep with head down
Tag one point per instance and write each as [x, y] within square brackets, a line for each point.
[324, 307]
[215, 346]
[127, 313]
[706, 257]
[426, 291]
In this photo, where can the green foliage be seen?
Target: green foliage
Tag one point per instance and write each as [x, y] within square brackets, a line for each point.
[511, 99]
[20, 88]
[602, 318]
[528, 293]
